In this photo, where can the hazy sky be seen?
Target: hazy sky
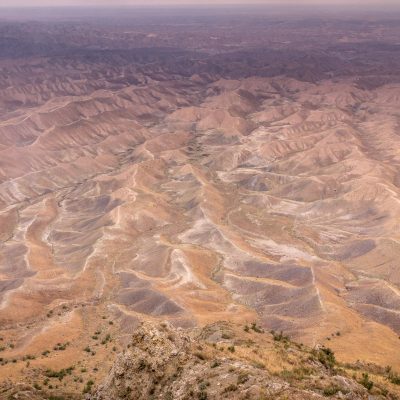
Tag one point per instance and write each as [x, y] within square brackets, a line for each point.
[30, 3]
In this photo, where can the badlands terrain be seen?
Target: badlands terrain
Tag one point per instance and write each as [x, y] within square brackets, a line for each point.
[187, 168]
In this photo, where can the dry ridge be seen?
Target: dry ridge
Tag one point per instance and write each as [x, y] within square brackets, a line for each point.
[220, 361]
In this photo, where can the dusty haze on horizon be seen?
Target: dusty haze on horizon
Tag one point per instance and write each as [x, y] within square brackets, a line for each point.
[102, 3]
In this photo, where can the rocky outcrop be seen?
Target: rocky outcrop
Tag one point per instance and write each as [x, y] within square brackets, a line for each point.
[167, 363]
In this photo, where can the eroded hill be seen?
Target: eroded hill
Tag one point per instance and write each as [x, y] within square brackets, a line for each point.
[146, 174]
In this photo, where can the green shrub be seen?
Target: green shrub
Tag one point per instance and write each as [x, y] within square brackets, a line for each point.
[296, 374]
[393, 378]
[326, 357]
[366, 382]
[61, 374]
[202, 395]
[280, 337]
[88, 386]
[256, 328]
[61, 346]
[331, 390]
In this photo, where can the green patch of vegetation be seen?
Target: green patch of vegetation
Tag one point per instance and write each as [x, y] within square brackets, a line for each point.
[231, 349]
[28, 357]
[280, 337]
[88, 386]
[256, 328]
[202, 395]
[61, 374]
[366, 382]
[203, 386]
[106, 339]
[296, 374]
[332, 390]
[325, 356]
[226, 336]
[392, 377]
[215, 364]
[61, 346]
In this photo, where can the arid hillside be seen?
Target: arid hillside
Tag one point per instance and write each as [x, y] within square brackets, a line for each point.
[193, 170]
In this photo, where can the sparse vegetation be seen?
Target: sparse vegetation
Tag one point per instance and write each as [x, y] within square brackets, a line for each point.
[392, 377]
[61, 374]
[297, 374]
[28, 357]
[365, 381]
[61, 346]
[88, 386]
[280, 337]
[331, 390]
[106, 339]
[256, 328]
[325, 356]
